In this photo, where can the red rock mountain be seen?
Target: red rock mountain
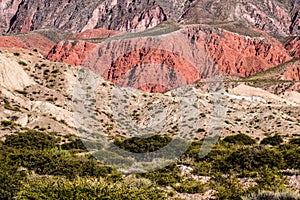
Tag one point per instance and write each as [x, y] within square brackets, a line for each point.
[156, 44]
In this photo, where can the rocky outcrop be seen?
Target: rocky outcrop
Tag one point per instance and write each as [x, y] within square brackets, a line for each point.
[295, 18]
[277, 17]
[293, 47]
[192, 53]
[8, 11]
[31, 41]
[292, 73]
[10, 42]
[78, 16]
[244, 56]
[71, 52]
[12, 75]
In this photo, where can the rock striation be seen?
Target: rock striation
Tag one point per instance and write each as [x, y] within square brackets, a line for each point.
[194, 52]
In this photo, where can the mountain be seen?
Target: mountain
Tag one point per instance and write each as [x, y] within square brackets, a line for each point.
[276, 17]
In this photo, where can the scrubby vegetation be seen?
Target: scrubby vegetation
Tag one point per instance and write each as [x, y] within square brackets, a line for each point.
[39, 165]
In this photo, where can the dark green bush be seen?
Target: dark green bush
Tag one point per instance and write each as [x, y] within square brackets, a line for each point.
[166, 176]
[143, 145]
[190, 186]
[89, 188]
[253, 158]
[295, 141]
[275, 140]
[76, 144]
[240, 139]
[22, 63]
[31, 140]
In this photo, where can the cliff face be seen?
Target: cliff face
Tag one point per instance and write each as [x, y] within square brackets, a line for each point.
[71, 52]
[292, 73]
[276, 17]
[293, 46]
[77, 16]
[180, 57]
[30, 41]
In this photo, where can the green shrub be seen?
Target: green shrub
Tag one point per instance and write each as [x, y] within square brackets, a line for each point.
[31, 140]
[7, 123]
[267, 195]
[76, 144]
[227, 188]
[190, 186]
[10, 178]
[240, 139]
[295, 141]
[23, 92]
[143, 145]
[22, 63]
[253, 158]
[88, 188]
[166, 176]
[275, 140]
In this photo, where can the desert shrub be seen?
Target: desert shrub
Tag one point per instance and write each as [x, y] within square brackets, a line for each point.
[269, 179]
[10, 177]
[295, 141]
[291, 156]
[253, 158]
[23, 92]
[227, 188]
[75, 144]
[275, 140]
[22, 63]
[166, 176]
[143, 145]
[190, 186]
[268, 195]
[7, 123]
[88, 188]
[49, 162]
[31, 140]
[17, 54]
[240, 139]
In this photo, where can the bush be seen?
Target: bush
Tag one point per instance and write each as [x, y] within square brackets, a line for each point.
[74, 145]
[31, 140]
[190, 187]
[274, 141]
[88, 188]
[253, 158]
[141, 145]
[7, 123]
[240, 139]
[22, 63]
[267, 195]
[164, 177]
[295, 141]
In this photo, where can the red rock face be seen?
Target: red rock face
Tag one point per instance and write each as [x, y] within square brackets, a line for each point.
[71, 52]
[292, 73]
[243, 56]
[37, 41]
[8, 42]
[293, 47]
[181, 57]
[27, 41]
